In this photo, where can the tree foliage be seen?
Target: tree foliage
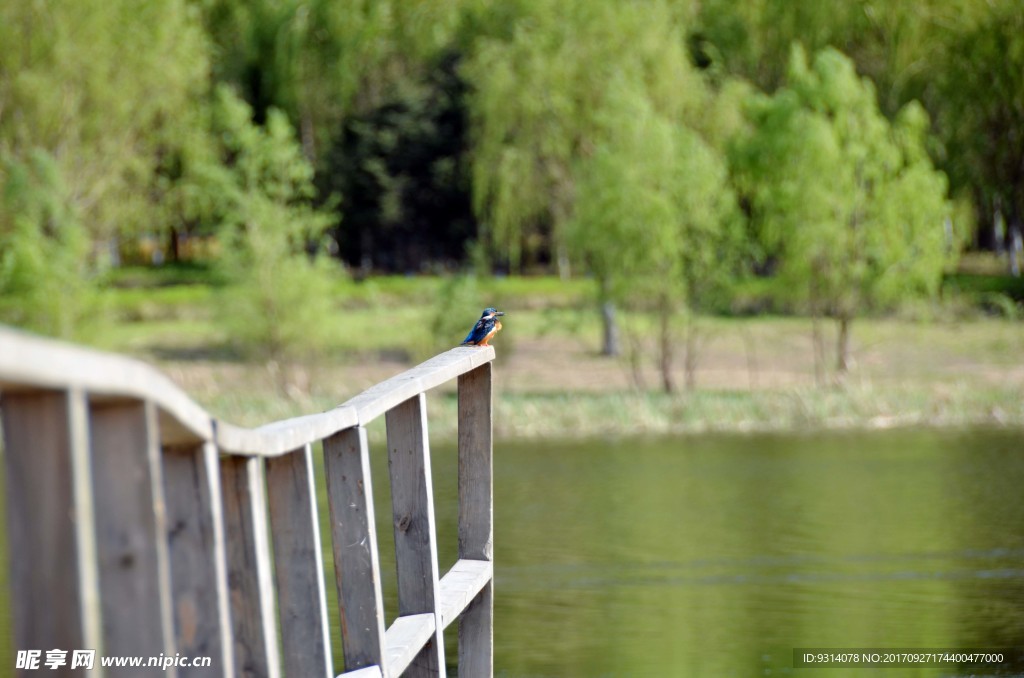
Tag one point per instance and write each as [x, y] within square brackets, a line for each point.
[655, 217]
[100, 87]
[848, 202]
[982, 86]
[114, 127]
[45, 278]
[403, 168]
[539, 96]
[278, 297]
[323, 60]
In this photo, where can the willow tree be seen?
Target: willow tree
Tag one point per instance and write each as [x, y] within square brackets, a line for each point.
[278, 300]
[539, 93]
[847, 201]
[320, 60]
[655, 219]
[982, 108]
[45, 279]
[100, 86]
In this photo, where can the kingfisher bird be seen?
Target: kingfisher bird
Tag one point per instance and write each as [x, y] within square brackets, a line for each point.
[485, 328]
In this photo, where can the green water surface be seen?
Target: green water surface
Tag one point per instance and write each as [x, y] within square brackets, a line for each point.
[717, 555]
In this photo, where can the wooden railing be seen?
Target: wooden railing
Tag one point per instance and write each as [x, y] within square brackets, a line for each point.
[138, 524]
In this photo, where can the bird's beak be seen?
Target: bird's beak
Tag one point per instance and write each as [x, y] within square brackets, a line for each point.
[499, 313]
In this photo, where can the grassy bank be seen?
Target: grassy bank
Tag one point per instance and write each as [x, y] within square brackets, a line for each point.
[588, 414]
[950, 364]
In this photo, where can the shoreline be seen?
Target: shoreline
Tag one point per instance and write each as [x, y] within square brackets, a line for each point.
[617, 415]
[556, 385]
[582, 416]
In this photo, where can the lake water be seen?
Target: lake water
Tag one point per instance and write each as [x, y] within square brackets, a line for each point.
[717, 555]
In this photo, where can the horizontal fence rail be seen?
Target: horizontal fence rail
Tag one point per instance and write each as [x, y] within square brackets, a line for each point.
[141, 526]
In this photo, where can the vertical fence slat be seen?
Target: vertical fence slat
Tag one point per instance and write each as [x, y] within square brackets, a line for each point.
[412, 502]
[248, 559]
[182, 536]
[134, 573]
[354, 539]
[195, 528]
[476, 516]
[55, 601]
[298, 570]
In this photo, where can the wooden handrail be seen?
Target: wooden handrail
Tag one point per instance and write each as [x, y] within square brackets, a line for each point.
[286, 435]
[155, 517]
[31, 362]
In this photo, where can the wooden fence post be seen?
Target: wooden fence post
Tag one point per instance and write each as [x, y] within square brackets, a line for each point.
[354, 539]
[51, 524]
[249, 578]
[142, 527]
[298, 565]
[195, 533]
[412, 501]
[476, 519]
[134, 572]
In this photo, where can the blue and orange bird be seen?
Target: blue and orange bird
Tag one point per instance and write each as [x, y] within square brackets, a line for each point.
[485, 328]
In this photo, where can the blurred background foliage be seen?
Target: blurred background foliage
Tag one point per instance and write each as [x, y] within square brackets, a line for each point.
[675, 158]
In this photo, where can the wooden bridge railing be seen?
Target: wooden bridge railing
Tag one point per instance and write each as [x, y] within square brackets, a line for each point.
[138, 524]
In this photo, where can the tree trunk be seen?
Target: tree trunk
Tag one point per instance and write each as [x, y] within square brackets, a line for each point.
[816, 339]
[1016, 247]
[308, 138]
[818, 349]
[174, 245]
[610, 345]
[691, 356]
[562, 261]
[999, 230]
[843, 347]
[636, 367]
[665, 349]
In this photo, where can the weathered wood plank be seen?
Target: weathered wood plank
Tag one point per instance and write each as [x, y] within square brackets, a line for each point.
[30, 361]
[476, 634]
[460, 586]
[368, 672]
[134, 572]
[246, 628]
[405, 638]
[412, 502]
[298, 568]
[476, 515]
[248, 560]
[282, 437]
[384, 396]
[50, 522]
[195, 531]
[476, 507]
[354, 542]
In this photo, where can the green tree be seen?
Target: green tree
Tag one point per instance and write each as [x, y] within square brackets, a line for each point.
[100, 86]
[403, 171]
[751, 39]
[655, 220]
[982, 113]
[278, 299]
[539, 92]
[848, 203]
[323, 60]
[46, 282]
[899, 44]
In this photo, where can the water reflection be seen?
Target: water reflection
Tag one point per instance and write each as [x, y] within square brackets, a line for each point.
[717, 555]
